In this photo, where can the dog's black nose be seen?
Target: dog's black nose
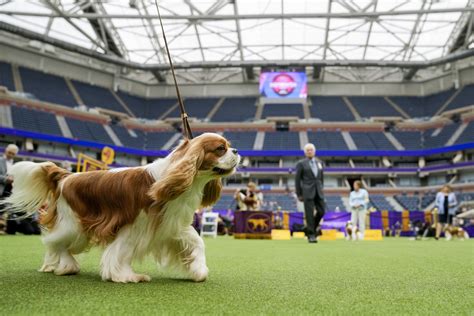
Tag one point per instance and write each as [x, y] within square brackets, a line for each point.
[235, 151]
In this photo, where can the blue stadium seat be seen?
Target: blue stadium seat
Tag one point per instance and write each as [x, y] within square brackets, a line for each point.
[156, 140]
[86, 130]
[6, 76]
[196, 107]
[281, 141]
[409, 203]
[464, 98]
[327, 140]
[373, 106]
[95, 96]
[35, 121]
[427, 199]
[127, 139]
[225, 202]
[157, 107]
[241, 140]
[47, 87]
[408, 139]
[413, 106]
[435, 101]
[236, 110]
[279, 202]
[137, 105]
[371, 141]
[333, 202]
[380, 203]
[439, 140]
[330, 109]
[467, 135]
[151, 109]
[285, 109]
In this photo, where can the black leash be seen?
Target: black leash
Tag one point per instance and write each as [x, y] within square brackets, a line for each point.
[184, 116]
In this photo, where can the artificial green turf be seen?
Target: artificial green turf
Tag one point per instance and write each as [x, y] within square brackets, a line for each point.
[247, 277]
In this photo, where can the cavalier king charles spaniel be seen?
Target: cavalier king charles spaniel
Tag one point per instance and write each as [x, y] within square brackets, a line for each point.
[131, 212]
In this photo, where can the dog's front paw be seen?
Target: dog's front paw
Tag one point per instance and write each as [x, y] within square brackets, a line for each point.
[47, 268]
[131, 278]
[200, 274]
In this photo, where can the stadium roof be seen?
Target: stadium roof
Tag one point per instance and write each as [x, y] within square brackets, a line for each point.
[245, 33]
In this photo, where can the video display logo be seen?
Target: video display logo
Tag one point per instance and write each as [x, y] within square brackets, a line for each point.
[283, 85]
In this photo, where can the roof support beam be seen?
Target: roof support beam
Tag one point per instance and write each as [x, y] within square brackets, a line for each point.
[229, 17]
[102, 30]
[239, 40]
[235, 63]
[68, 19]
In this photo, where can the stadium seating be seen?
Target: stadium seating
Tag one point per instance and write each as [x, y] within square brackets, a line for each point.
[413, 106]
[47, 87]
[373, 106]
[435, 101]
[156, 140]
[225, 202]
[137, 105]
[156, 108]
[236, 110]
[467, 135]
[330, 109]
[334, 202]
[95, 96]
[283, 109]
[275, 202]
[409, 140]
[35, 121]
[380, 203]
[434, 141]
[241, 140]
[91, 131]
[427, 199]
[281, 141]
[464, 98]
[6, 76]
[411, 203]
[371, 141]
[127, 139]
[465, 197]
[196, 107]
[327, 140]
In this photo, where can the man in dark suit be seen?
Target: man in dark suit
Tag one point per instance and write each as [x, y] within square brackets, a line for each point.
[309, 184]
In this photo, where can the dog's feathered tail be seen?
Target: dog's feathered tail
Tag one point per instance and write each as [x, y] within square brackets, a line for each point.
[35, 186]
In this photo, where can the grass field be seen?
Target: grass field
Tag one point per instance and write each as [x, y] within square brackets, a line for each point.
[395, 276]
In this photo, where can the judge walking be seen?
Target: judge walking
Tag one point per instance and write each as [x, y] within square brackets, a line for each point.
[309, 185]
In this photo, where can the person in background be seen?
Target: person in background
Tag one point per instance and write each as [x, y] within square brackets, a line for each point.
[6, 180]
[446, 203]
[66, 164]
[249, 199]
[226, 223]
[309, 184]
[358, 200]
[6, 163]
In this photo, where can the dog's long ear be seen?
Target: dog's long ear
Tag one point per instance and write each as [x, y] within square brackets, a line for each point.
[212, 192]
[180, 175]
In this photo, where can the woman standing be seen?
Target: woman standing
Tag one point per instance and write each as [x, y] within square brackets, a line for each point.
[358, 200]
[446, 203]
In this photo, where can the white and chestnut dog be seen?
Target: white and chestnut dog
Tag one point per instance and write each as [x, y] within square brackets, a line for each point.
[132, 212]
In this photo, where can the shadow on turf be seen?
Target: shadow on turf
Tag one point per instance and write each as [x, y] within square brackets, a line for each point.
[92, 277]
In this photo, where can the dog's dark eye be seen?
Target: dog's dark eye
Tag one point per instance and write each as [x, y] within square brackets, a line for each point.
[220, 148]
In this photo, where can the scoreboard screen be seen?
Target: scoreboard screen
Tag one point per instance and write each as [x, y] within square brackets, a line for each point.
[283, 85]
